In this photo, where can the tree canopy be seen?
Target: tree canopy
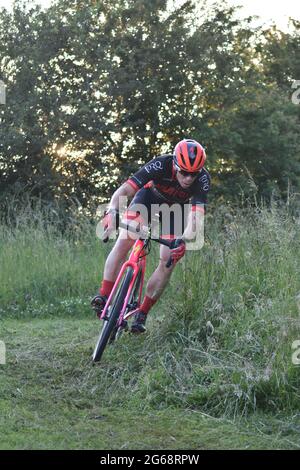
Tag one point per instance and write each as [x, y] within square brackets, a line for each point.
[94, 89]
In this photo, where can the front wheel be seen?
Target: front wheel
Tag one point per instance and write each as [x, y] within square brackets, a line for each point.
[132, 305]
[113, 314]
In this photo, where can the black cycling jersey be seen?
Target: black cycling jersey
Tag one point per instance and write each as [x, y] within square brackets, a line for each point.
[160, 176]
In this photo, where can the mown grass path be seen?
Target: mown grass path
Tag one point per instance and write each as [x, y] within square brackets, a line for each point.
[51, 397]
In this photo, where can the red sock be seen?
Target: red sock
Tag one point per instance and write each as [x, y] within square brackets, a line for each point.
[106, 287]
[147, 304]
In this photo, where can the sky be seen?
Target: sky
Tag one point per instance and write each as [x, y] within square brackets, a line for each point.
[267, 10]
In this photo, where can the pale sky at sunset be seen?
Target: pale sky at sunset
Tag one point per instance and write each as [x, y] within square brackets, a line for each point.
[267, 10]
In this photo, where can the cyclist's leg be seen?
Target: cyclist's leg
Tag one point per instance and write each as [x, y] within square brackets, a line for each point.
[117, 256]
[112, 267]
[124, 242]
[161, 276]
[154, 289]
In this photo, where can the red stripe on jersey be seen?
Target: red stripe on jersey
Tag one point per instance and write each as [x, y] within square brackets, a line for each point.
[132, 184]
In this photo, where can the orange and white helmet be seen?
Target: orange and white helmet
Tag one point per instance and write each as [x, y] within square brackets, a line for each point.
[189, 156]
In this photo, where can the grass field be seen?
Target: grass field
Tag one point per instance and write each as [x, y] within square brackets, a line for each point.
[52, 397]
[214, 370]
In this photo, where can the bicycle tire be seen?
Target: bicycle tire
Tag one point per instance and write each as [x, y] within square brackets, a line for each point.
[136, 287]
[116, 332]
[108, 325]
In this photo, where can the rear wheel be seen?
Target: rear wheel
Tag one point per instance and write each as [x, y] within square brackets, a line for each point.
[113, 313]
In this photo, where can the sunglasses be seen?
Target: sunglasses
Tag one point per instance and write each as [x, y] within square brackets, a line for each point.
[186, 173]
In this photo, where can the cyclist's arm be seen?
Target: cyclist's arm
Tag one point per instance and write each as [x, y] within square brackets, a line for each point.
[126, 191]
[154, 170]
[150, 171]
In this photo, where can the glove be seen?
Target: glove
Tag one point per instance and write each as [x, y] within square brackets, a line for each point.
[177, 249]
[110, 222]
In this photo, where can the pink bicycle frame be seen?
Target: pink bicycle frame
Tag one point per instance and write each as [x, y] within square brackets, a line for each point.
[136, 261]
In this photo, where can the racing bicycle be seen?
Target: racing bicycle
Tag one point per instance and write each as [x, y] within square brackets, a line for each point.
[126, 294]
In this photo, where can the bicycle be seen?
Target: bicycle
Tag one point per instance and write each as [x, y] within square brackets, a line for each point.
[126, 294]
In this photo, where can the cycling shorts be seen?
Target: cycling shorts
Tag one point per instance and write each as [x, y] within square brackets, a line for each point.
[167, 220]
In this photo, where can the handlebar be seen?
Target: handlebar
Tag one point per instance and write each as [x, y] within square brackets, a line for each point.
[160, 240]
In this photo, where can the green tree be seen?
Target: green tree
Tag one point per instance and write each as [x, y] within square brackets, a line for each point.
[95, 89]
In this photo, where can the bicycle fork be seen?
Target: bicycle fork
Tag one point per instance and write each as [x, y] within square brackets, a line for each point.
[136, 262]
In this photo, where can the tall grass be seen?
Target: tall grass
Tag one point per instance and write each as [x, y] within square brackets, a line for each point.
[231, 317]
[220, 339]
[45, 262]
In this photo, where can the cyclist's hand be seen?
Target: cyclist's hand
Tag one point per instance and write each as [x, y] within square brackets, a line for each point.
[177, 251]
[109, 223]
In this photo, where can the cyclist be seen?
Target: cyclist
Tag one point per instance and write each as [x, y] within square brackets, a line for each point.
[167, 179]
